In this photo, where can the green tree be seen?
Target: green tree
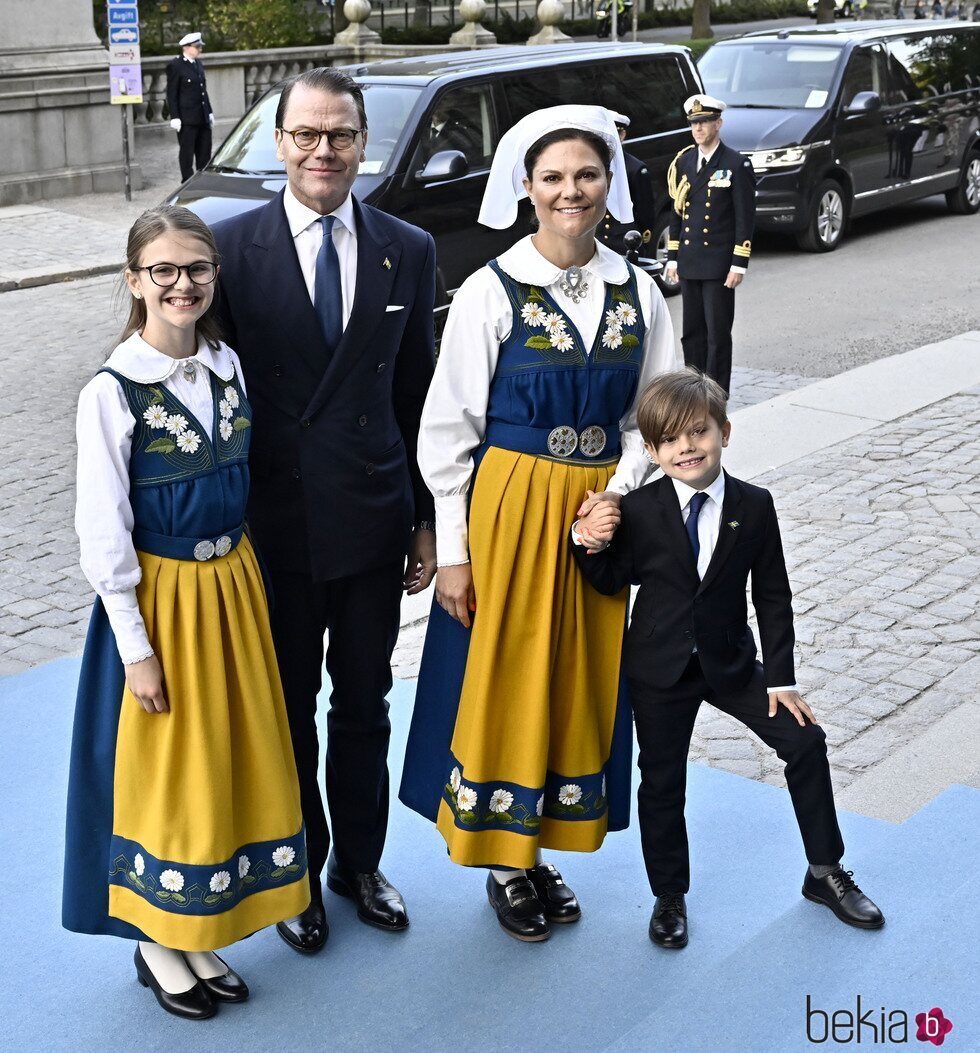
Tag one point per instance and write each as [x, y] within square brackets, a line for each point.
[247, 25]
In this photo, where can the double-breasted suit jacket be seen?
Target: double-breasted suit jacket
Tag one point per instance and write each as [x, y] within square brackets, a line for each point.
[675, 611]
[712, 232]
[335, 480]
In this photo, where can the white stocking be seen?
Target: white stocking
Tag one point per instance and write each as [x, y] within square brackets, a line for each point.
[204, 964]
[503, 876]
[168, 967]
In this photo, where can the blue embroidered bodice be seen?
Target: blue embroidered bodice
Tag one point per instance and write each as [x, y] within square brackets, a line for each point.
[545, 379]
[183, 483]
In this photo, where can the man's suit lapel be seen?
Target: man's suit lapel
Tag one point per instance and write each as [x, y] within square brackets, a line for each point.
[281, 285]
[673, 527]
[699, 179]
[371, 293]
[727, 534]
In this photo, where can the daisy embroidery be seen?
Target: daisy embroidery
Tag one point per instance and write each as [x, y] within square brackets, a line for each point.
[226, 430]
[454, 779]
[532, 314]
[189, 441]
[612, 338]
[244, 865]
[224, 407]
[466, 799]
[155, 416]
[612, 319]
[220, 881]
[555, 323]
[570, 794]
[176, 424]
[172, 880]
[626, 314]
[501, 800]
[231, 397]
[562, 341]
[283, 856]
[139, 865]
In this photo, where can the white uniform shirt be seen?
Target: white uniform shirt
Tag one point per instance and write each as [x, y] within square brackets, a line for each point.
[304, 225]
[104, 429]
[480, 319]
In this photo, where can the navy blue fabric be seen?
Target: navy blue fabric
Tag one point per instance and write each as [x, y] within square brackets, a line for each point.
[178, 547]
[691, 526]
[535, 440]
[200, 494]
[327, 295]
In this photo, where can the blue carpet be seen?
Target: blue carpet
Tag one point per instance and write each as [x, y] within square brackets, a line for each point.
[455, 981]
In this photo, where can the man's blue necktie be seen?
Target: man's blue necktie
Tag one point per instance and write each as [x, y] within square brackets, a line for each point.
[691, 526]
[327, 297]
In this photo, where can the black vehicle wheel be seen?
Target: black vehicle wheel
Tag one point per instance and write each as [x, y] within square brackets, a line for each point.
[964, 200]
[828, 217]
[660, 250]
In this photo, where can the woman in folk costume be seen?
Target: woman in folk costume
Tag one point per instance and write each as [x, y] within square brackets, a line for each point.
[184, 827]
[521, 738]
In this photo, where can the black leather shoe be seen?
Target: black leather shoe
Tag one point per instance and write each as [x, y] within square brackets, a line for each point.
[307, 932]
[668, 923]
[194, 1004]
[839, 892]
[228, 987]
[518, 909]
[379, 903]
[556, 897]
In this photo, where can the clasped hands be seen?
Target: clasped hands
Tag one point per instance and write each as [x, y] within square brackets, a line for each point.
[598, 518]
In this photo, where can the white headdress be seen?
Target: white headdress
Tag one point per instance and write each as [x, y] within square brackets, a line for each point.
[505, 188]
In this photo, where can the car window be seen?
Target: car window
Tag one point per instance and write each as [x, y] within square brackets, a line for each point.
[938, 63]
[551, 87]
[779, 75]
[251, 147]
[916, 74]
[650, 93]
[866, 71]
[461, 119]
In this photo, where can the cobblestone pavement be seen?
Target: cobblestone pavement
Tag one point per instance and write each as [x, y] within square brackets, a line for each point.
[880, 534]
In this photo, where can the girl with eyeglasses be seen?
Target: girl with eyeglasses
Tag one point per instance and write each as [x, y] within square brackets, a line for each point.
[184, 828]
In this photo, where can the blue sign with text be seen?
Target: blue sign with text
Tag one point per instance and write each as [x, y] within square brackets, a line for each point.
[123, 16]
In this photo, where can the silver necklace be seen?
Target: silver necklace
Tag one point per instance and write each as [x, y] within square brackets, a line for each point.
[573, 284]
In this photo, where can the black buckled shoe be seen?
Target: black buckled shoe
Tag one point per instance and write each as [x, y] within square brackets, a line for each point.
[556, 897]
[379, 903]
[194, 1004]
[668, 923]
[228, 987]
[307, 932]
[839, 892]
[518, 909]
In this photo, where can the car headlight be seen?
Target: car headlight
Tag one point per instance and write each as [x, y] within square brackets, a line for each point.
[783, 158]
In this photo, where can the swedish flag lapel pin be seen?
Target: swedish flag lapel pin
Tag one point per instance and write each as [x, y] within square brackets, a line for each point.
[386, 263]
[734, 524]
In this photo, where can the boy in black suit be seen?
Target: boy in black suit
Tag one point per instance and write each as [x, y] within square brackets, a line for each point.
[691, 539]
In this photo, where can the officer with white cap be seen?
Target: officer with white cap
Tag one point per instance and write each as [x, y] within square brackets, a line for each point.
[710, 240]
[611, 232]
[191, 116]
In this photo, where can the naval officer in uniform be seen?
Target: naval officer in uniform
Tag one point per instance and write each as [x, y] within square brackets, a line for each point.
[611, 231]
[191, 116]
[710, 240]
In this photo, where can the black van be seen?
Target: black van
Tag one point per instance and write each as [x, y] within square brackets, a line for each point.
[840, 121]
[480, 94]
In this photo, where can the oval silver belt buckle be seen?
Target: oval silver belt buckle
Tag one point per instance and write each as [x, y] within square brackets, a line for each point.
[562, 441]
[203, 551]
[592, 441]
[222, 546]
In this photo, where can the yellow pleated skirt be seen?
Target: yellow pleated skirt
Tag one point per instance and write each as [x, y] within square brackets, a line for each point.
[208, 843]
[534, 728]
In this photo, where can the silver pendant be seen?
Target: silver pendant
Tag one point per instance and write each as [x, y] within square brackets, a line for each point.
[190, 373]
[573, 284]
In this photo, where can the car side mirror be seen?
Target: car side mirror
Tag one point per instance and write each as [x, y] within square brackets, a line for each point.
[864, 102]
[446, 164]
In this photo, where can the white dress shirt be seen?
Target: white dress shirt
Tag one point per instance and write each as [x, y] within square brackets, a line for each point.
[104, 429]
[304, 225]
[480, 319]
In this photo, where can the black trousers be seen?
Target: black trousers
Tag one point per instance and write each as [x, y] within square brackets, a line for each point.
[706, 332]
[194, 148]
[664, 724]
[361, 614]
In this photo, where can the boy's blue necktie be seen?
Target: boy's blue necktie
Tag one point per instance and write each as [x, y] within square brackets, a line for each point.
[691, 526]
[327, 297]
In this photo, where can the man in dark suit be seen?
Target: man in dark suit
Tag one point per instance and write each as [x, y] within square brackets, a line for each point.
[329, 304]
[611, 231]
[191, 116]
[710, 240]
[692, 539]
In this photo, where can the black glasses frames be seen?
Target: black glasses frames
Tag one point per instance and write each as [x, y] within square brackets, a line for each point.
[165, 275]
[309, 138]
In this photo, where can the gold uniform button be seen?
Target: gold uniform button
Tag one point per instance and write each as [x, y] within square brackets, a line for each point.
[686, 242]
[705, 244]
[705, 231]
[687, 230]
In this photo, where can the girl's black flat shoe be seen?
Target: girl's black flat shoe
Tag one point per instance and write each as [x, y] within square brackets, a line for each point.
[228, 987]
[194, 1004]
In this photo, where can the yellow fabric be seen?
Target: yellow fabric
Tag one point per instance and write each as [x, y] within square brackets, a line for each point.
[522, 712]
[216, 772]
